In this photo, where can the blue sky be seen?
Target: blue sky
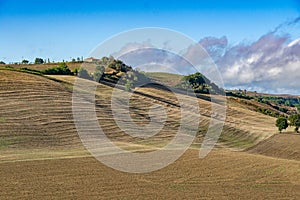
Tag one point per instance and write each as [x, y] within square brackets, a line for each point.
[255, 54]
[64, 29]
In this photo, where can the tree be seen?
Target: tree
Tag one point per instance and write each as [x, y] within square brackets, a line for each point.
[128, 85]
[83, 73]
[75, 71]
[98, 74]
[295, 121]
[298, 107]
[25, 61]
[199, 83]
[73, 60]
[38, 61]
[1, 62]
[281, 123]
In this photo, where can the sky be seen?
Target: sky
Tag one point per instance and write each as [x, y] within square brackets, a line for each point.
[61, 30]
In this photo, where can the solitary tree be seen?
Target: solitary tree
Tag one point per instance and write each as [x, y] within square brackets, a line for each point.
[83, 73]
[25, 61]
[295, 121]
[281, 123]
[128, 85]
[98, 74]
[75, 71]
[38, 61]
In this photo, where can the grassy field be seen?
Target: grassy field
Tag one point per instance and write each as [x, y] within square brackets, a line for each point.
[42, 157]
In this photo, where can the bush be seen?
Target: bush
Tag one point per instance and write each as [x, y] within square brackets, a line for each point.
[62, 69]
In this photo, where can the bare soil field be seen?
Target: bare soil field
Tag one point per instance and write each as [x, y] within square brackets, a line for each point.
[221, 175]
[243, 128]
[42, 157]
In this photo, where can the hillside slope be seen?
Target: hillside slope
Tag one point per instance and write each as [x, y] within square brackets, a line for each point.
[36, 114]
[35, 118]
[242, 129]
[279, 146]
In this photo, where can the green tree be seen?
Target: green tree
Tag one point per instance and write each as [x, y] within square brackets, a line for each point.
[295, 121]
[25, 61]
[199, 83]
[75, 71]
[281, 123]
[298, 107]
[98, 74]
[38, 61]
[1, 62]
[83, 73]
[128, 85]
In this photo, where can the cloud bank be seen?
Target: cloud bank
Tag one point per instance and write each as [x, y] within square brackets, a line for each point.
[270, 64]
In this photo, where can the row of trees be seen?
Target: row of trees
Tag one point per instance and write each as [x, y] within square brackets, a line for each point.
[293, 120]
[42, 61]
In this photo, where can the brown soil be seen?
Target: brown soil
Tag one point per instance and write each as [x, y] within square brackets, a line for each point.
[41, 155]
[221, 175]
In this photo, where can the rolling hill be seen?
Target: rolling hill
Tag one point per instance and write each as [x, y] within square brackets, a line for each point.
[42, 155]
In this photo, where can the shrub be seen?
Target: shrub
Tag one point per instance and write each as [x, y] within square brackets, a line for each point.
[62, 69]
